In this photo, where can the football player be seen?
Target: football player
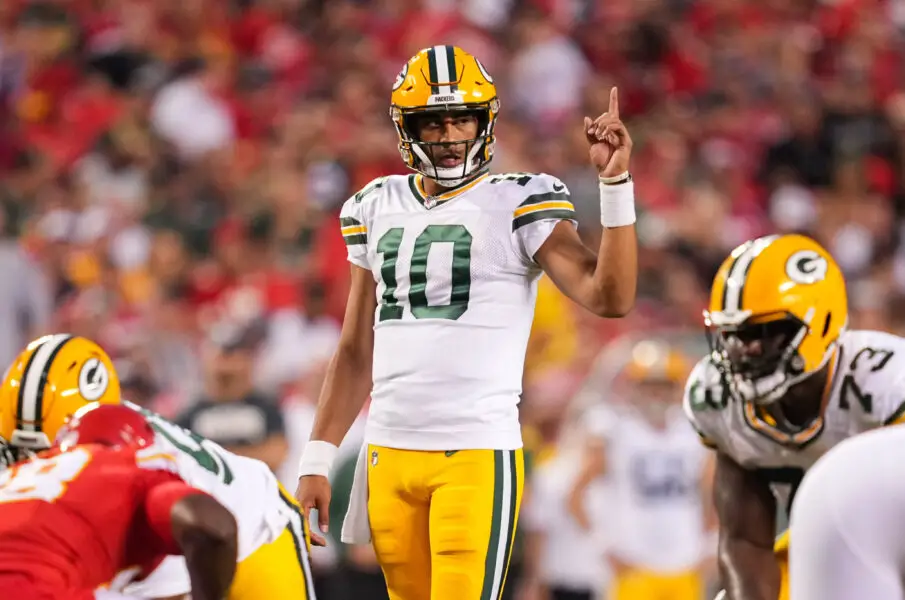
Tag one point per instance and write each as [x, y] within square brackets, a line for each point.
[445, 263]
[843, 551]
[785, 382]
[57, 375]
[79, 517]
[659, 475]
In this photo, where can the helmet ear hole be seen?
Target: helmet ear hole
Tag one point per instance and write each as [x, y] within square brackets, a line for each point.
[826, 324]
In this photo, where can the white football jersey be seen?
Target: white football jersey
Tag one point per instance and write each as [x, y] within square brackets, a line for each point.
[456, 285]
[655, 476]
[867, 391]
[243, 485]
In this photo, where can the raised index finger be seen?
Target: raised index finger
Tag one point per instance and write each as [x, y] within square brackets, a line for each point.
[614, 102]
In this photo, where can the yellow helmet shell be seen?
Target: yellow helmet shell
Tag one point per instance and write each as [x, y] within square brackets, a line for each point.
[444, 78]
[52, 378]
[653, 361]
[778, 276]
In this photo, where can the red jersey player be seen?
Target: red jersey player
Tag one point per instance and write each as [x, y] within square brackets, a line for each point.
[79, 517]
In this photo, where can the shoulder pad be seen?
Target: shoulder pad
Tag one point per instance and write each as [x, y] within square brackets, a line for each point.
[704, 399]
[872, 372]
[368, 191]
[531, 183]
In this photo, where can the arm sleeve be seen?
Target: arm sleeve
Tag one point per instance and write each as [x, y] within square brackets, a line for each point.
[354, 229]
[159, 502]
[534, 218]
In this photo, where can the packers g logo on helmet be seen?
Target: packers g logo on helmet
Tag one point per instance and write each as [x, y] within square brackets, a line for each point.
[806, 267]
[51, 379]
[787, 294]
[444, 79]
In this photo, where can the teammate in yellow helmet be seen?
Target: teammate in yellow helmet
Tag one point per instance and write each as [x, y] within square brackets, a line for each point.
[51, 379]
[786, 381]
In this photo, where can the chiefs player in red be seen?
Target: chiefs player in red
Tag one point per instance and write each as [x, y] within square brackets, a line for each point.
[81, 517]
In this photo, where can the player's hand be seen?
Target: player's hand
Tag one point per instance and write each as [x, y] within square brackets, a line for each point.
[610, 143]
[314, 492]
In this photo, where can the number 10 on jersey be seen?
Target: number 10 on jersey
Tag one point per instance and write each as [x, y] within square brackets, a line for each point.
[388, 247]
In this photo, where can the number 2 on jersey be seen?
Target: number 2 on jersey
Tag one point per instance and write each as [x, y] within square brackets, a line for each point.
[42, 478]
[388, 246]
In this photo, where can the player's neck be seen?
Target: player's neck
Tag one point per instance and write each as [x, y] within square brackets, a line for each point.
[433, 188]
[807, 400]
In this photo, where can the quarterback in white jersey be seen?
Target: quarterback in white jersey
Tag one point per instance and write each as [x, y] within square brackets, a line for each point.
[785, 382]
[847, 522]
[445, 265]
[659, 476]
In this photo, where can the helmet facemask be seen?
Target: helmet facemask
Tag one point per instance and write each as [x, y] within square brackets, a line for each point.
[422, 156]
[760, 361]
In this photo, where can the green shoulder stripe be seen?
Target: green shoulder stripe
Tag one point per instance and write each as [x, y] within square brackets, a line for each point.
[546, 197]
[348, 222]
[540, 215]
[355, 240]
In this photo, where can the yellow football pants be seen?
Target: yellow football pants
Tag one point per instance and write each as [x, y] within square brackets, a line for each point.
[443, 523]
[279, 569]
[781, 549]
[648, 585]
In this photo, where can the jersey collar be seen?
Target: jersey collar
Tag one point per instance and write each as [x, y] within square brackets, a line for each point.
[416, 184]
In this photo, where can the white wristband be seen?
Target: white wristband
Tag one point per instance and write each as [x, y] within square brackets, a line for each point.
[617, 203]
[317, 458]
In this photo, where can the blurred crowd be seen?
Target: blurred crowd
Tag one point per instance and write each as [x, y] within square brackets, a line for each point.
[171, 173]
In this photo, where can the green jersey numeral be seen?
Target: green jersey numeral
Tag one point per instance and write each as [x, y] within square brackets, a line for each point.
[389, 244]
[192, 444]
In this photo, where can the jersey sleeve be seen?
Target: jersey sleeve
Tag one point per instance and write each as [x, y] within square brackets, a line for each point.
[548, 202]
[873, 377]
[354, 224]
[703, 401]
[158, 507]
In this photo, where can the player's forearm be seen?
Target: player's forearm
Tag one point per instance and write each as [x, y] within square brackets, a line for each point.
[615, 278]
[346, 387]
[207, 533]
[748, 571]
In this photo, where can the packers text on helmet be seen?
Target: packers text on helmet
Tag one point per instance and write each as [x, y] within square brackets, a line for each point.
[444, 79]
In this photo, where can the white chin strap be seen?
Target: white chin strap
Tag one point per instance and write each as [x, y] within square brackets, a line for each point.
[449, 176]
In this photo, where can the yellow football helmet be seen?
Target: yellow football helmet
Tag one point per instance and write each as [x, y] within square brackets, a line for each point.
[657, 362]
[444, 79]
[52, 378]
[777, 308]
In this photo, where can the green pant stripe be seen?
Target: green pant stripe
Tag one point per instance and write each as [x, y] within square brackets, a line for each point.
[490, 562]
[509, 539]
[297, 530]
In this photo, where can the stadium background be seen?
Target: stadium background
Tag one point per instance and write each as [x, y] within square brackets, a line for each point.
[171, 173]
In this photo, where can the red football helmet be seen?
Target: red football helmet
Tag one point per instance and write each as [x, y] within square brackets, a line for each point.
[106, 424]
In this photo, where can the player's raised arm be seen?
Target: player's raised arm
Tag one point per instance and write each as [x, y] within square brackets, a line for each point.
[605, 282]
[205, 532]
[346, 386]
[746, 510]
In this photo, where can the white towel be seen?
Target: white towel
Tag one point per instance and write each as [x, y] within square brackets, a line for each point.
[356, 526]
